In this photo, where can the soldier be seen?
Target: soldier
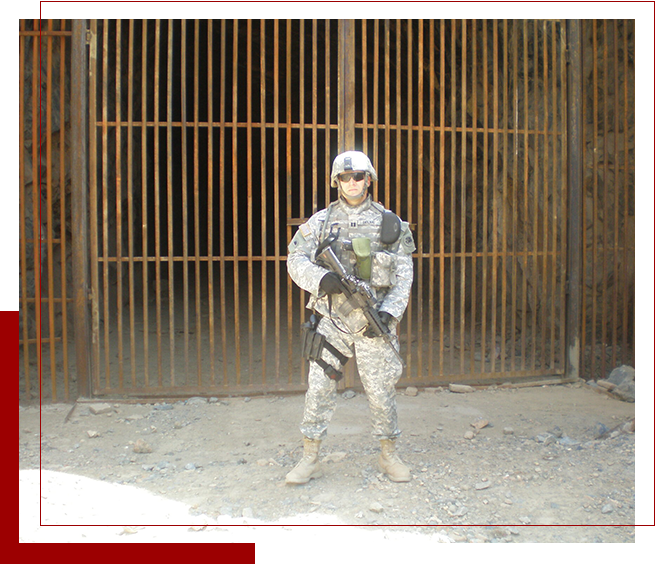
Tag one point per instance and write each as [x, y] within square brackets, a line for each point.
[375, 246]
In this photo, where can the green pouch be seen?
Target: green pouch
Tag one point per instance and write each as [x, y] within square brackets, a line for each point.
[362, 250]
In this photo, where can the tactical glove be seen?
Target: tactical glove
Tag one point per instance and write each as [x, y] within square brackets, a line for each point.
[331, 283]
[385, 318]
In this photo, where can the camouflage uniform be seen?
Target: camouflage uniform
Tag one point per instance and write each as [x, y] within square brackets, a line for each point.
[391, 281]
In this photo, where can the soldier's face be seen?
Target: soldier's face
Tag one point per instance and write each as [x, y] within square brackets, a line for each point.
[353, 186]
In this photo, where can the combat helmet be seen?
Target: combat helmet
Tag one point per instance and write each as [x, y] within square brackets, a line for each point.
[351, 160]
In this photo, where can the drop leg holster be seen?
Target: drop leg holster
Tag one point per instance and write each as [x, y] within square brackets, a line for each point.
[313, 344]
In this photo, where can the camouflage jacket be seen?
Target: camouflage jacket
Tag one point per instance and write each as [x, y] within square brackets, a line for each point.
[391, 265]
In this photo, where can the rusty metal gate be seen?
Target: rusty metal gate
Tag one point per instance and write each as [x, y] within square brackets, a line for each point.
[209, 142]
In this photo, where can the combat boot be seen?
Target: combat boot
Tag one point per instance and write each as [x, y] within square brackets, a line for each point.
[391, 464]
[309, 466]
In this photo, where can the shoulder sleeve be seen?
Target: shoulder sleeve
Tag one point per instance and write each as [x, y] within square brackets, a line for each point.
[300, 260]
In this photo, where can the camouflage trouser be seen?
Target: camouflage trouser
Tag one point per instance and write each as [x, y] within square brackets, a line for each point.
[379, 371]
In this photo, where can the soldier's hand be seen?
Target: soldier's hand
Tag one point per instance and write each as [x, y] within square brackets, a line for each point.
[331, 283]
[384, 319]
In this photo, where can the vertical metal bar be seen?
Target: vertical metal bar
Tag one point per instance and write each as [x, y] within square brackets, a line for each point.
[453, 214]
[288, 183]
[235, 199]
[222, 212]
[497, 128]
[376, 94]
[604, 211]
[249, 189]
[185, 196]
[431, 194]
[363, 49]
[409, 184]
[288, 179]
[442, 246]
[564, 205]
[463, 190]
[504, 199]
[79, 203]
[486, 203]
[346, 85]
[398, 125]
[105, 197]
[92, 117]
[327, 115]
[301, 158]
[546, 216]
[119, 204]
[36, 195]
[210, 198]
[199, 320]
[315, 108]
[575, 186]
[169, 197]
[25, 304]
[474, 185]
[628, 256]
[276, 186]
[157, 203]
[558, 165]
[130, 188]
[513, 200]
[263, 193]
[144, 202]
[63, 244]
[530, 258]
[388, 121]
[420, 194]
[616, 204]
[49, 215]
[594, 342]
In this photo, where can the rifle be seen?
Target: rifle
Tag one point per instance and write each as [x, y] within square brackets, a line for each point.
[358, 293]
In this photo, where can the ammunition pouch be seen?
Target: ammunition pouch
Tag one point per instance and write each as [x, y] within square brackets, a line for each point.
[362, 250]
[313, 344]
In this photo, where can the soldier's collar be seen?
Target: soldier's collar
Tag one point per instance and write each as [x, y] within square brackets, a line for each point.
[363, 206]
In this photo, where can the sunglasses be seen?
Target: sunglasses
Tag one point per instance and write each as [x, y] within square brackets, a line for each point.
[357, 176]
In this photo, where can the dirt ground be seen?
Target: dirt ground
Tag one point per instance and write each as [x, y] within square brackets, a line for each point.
[549, 464]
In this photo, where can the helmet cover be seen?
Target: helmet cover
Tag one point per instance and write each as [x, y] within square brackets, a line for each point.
[351, 160]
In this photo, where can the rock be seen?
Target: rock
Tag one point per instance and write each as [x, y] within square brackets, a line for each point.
[335, 457]
[608, 508]
[480, 423]
[606, 385]
[213, 400]
[469, 435]
[196, 401]
[508, 431]
[460, 388]
[620, 374]
[247, 399]
[142, 447]
[348, 394]
[482, 485]
[93, 434]
[625, 391]
[524, 520]
[411, 391]
[134, 417]
[190, 466]
[100, 408]
[376, 507]
[262, 462]
[163, 406]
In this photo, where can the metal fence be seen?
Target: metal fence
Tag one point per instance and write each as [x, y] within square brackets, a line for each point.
[211, 141]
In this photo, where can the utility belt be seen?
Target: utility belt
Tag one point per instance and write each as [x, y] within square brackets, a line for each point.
[313, 344]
